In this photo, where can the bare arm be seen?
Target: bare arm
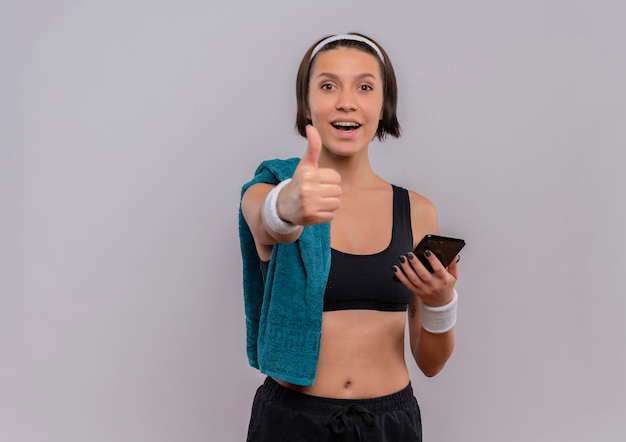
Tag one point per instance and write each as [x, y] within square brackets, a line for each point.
[430, 351]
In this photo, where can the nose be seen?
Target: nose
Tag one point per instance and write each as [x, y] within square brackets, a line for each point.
[346, 100]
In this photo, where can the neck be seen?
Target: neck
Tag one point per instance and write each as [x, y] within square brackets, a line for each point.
[356, 171]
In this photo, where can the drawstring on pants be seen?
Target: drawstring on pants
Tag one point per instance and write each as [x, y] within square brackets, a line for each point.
[338, 419]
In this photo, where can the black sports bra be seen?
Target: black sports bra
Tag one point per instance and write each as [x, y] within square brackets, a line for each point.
[366, 281]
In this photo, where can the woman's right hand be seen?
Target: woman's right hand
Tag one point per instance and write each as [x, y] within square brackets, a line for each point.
[313, 195]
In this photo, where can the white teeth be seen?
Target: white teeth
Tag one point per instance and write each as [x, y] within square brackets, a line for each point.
[346, 124]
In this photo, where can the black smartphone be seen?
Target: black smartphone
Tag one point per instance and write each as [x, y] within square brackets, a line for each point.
[444, 248]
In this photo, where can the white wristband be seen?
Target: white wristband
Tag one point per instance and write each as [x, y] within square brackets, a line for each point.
[272, 220]
[439, 320]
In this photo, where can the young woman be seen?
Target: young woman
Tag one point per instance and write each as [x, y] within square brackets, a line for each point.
[329, 277]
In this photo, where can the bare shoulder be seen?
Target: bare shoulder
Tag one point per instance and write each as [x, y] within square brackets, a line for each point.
[423, 215]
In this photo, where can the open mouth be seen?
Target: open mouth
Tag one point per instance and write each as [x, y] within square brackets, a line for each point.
[346, 125]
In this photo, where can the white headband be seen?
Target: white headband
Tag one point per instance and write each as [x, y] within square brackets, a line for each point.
[352, 37]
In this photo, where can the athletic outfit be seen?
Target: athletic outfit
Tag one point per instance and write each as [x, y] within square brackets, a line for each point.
[354, 282]
[366, 281]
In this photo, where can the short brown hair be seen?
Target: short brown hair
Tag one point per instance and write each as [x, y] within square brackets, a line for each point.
[389, 124]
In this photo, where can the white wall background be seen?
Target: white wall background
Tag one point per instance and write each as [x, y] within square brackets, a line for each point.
[127, 128]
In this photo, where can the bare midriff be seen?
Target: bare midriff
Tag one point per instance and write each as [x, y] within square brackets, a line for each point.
[361, 355]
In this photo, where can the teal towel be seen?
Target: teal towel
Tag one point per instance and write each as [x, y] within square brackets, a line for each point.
[284, 316]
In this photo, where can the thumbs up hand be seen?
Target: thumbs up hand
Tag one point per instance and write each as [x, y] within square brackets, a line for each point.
[312, 196]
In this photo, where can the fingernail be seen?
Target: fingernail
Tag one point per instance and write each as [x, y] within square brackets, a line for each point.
[402, 259]
[409, 255]
[395, 269]
[427, 252]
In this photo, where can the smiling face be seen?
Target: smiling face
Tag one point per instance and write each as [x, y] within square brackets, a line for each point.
[345, 99]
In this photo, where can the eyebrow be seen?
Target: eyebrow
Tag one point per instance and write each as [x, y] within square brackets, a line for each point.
[336, 77]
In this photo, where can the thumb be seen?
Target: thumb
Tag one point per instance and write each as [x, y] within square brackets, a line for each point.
[314, 147]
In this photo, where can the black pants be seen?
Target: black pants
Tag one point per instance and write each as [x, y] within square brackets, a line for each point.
[281, 414]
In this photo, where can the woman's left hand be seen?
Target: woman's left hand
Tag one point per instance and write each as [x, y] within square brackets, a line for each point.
[434, 289]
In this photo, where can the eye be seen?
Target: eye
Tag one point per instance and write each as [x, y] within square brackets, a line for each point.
[366, 87]
[327, 86]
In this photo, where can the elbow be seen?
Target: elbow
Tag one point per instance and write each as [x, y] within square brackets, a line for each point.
[431, 365]
[431, 372]
[432, 352]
